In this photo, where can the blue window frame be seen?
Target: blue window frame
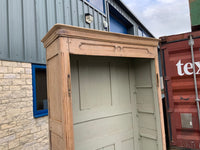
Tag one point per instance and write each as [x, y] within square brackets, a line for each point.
[118, 23]
[117, 26]
[40, 107]
[142, 33]
[99, 4]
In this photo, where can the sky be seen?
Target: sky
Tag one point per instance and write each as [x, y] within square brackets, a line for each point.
[162, 17]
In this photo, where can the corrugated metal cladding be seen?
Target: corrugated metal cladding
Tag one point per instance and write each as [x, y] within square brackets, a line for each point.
[25, 22]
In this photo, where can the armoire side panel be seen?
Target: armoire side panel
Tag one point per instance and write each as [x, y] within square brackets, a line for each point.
[55, 103]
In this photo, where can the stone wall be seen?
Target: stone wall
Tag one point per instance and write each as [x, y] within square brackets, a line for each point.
[18, 128]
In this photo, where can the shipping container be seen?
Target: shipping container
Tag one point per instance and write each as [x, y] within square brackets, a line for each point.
[103, 90]
[195, 14]
[182, 82]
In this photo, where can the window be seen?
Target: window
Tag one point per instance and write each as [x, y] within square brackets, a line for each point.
[145, 35]
[142, 33]
[117, 26]
[99, 4]
[118, 23]
[40, 106]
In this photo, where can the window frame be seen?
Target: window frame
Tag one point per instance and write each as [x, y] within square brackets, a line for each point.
[116, 15]
[37, 113]
[144, 34]
[103, 11]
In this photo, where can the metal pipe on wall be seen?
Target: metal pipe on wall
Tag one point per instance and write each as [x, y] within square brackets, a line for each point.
[191, 43]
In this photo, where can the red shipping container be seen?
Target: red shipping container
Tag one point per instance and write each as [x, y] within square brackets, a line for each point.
[181, 96]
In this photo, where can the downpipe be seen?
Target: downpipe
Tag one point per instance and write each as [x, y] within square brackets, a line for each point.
[191, 43]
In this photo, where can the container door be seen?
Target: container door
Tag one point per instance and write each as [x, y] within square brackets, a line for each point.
[180, 93]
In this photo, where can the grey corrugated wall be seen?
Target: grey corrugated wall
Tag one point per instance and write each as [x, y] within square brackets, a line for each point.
[23, 23]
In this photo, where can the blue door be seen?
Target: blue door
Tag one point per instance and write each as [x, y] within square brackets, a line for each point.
[117, 26]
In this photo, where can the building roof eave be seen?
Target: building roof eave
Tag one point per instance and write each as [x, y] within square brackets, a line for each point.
[128, 11]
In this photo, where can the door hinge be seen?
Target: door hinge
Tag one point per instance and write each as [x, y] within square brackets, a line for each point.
[69, 85]
[157, 80]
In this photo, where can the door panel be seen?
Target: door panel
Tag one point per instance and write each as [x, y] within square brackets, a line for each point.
[147, 108]
[114, 104]
[120, 83]
[94, 80]
[128, 144]
[101, 104]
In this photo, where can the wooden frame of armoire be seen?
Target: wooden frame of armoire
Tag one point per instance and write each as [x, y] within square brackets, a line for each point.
[62, 41]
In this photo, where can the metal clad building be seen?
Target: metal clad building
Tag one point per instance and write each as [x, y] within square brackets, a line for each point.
[23, 90]
[24, 23]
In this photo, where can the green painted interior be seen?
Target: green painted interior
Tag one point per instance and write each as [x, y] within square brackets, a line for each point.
[115, 105]
[194, 12]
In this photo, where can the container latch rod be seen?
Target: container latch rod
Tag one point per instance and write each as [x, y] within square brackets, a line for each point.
[191, 43]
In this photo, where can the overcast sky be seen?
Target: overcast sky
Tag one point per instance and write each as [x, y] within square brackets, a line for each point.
[162, 17]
